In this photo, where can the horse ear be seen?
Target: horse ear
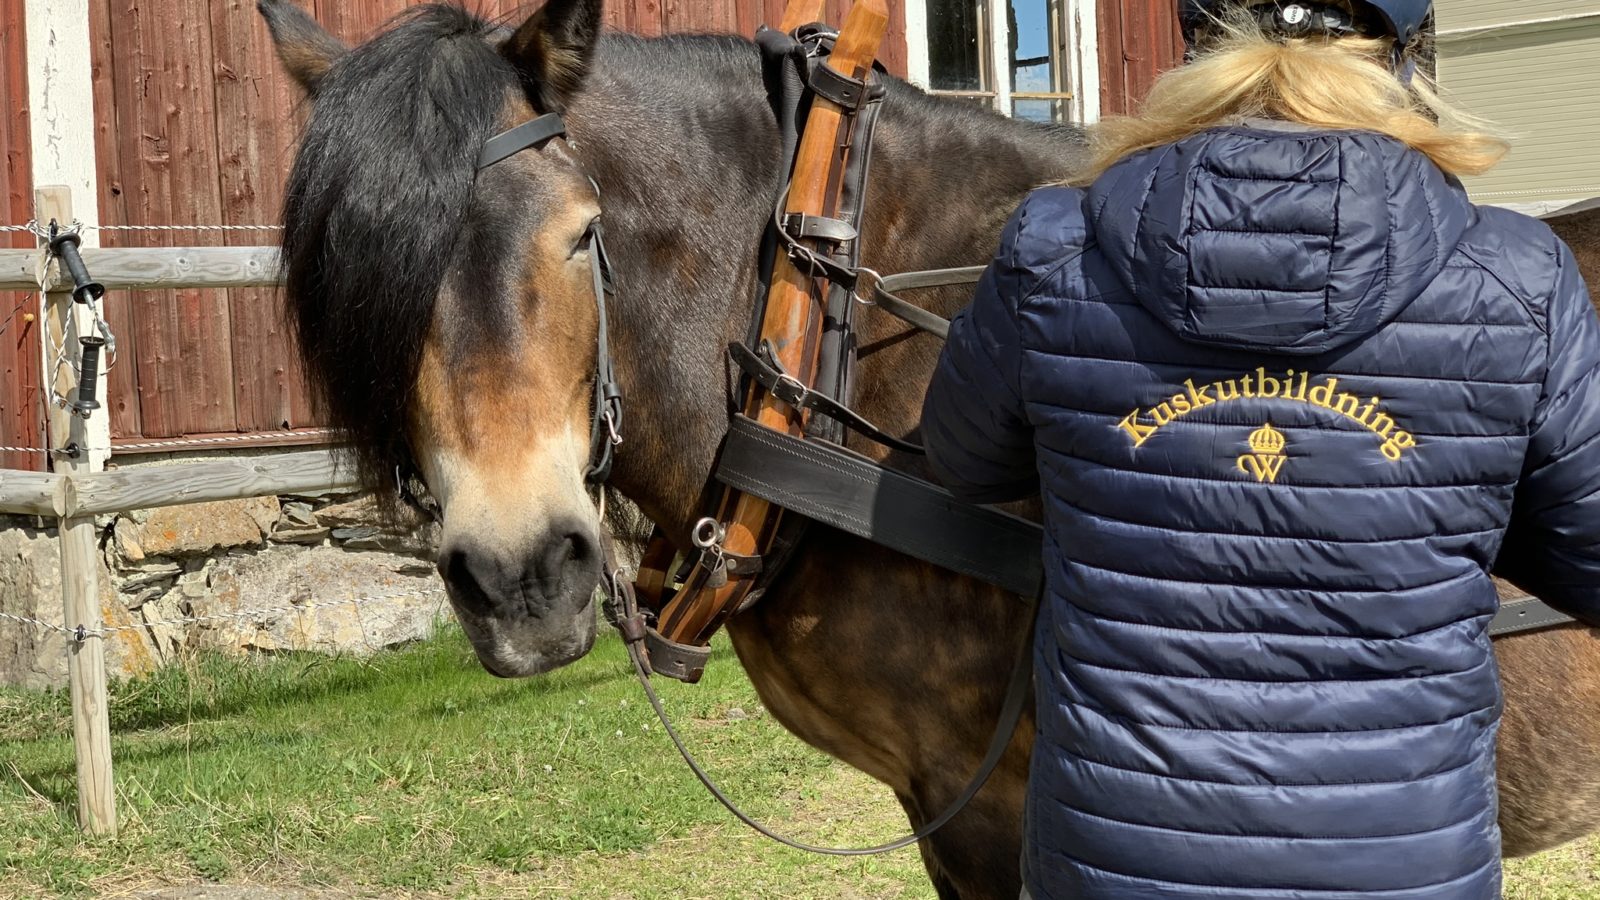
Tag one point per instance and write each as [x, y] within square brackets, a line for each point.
[553, 49]
[307, 50]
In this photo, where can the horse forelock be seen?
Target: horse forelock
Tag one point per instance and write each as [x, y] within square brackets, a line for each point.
[378, 197]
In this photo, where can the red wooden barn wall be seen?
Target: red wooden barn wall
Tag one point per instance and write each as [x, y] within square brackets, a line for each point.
[1139, 39]
[194, 124]
[21, 412]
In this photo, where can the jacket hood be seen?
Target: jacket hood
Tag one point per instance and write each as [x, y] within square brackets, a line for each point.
[1275, 238]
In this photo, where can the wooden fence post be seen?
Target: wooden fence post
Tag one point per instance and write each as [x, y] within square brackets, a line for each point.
[65, 321]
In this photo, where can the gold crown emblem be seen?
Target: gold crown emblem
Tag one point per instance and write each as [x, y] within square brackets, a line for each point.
[1267, 441]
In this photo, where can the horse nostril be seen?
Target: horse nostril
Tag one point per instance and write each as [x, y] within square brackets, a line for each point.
[566, 558]
[457, 569]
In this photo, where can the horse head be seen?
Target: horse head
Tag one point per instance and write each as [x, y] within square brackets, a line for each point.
[446, 313]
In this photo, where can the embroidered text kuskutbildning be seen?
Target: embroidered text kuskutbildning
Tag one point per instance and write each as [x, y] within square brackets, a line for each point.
[1142, 424]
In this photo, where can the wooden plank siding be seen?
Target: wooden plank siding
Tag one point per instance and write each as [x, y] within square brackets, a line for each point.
[1139, 39]
[21, 407]
[195, 124]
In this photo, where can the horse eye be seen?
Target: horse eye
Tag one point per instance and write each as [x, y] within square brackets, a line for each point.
[585, 240]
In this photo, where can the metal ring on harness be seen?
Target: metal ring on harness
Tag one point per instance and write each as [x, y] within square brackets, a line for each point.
[708, 533]
[868, 283]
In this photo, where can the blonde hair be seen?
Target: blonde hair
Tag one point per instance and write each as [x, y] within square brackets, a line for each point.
[1343, 83]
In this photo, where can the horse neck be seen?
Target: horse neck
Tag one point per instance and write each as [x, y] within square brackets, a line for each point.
[946, 176]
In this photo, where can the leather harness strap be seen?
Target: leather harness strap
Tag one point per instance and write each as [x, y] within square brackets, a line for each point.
[763, 370]
[1523, 614]
[817, 223]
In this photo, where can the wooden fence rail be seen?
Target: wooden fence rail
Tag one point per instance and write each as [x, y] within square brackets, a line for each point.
[149, 268]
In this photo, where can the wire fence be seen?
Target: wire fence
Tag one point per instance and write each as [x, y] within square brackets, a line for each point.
[33, 227]
[180, 443]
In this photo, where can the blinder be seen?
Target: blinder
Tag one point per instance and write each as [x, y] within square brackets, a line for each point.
[605, 430]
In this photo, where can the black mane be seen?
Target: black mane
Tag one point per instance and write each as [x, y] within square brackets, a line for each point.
[375, 203]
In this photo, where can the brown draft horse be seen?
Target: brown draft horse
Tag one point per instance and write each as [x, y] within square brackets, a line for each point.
[448, 318]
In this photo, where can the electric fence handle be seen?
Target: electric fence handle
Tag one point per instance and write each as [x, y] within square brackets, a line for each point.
[85, 290]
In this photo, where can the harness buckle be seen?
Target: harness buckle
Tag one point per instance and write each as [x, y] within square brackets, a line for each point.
[791, 390]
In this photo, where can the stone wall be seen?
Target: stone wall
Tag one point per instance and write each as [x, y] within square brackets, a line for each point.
[220, 559]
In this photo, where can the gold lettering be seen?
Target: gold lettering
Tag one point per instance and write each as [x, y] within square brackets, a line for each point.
[1305, 381]
[1366, 414]
[1163, 415]
[1347, 405]
[1322, 394]
[1264, 468]
[1249, 391]
[1398, 444]
[1263, 380]
[1180, 404]
[1383, 429]
[1201, 396]
[1222, 390]
[1139, 433]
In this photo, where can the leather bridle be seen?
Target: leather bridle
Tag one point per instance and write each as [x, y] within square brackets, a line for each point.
[605, 426]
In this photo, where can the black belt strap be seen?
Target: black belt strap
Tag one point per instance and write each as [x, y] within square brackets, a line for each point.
[833, 486]
[1526, 614]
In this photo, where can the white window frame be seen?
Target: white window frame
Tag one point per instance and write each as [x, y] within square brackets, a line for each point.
[1080, 18]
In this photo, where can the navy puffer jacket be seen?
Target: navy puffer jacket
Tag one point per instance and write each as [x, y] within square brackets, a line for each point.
[1288, 396]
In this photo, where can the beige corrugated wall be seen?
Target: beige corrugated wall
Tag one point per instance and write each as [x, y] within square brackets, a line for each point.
[1534, 68]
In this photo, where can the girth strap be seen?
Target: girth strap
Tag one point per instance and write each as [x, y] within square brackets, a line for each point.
[833, 486]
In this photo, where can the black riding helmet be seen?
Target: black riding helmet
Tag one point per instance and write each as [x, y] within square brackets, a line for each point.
[1398, 19]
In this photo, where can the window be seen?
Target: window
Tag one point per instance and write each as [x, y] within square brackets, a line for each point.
[1033, 59]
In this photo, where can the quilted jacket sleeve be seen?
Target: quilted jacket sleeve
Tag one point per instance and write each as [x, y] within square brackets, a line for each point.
[1552, 547]
[974, 425]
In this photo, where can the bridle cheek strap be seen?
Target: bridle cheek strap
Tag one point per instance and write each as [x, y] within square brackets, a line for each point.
[605, 431]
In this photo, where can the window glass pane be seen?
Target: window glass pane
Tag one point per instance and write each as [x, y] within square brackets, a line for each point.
[1030, 45]
[955, 45]
[1039, 110]
[1036, 55]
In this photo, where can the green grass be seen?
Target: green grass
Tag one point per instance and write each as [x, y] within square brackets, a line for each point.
[416, 773]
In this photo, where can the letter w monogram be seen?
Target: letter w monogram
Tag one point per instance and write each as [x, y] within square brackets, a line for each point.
[1263, 467]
